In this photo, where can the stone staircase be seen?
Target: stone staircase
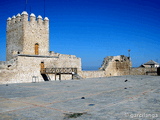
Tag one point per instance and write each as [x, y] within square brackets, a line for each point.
[76, 76]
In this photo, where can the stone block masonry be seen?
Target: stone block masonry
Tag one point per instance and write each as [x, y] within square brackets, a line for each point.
[92, 74]
[143, 71]
[28, 66]
[24, 35]
[116, 65]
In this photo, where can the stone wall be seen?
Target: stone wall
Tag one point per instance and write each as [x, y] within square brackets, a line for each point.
[116, 65]
[110, 71]
[36, 32]
[11, 64]
[111, 66]
[7, 76]
[143, 71]
[28, 66]
[92, 74]
[14, 34]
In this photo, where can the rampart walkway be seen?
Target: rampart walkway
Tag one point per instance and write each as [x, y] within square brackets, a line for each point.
[111, 98]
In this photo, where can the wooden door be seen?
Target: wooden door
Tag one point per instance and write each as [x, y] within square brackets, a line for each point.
[42, 67]
[36, 49]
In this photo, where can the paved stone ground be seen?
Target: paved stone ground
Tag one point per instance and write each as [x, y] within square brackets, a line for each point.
[110, 98]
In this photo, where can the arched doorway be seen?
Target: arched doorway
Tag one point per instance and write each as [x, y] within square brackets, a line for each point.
[36, 49]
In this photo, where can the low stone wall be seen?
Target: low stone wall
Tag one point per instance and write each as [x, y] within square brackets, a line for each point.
[142, 71]
[92, 74]
[6, 76]
[8, 64]
[131, 71]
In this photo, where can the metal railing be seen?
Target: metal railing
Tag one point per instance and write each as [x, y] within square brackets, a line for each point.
[58, 70]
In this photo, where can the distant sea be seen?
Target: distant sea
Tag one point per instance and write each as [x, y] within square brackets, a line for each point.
[90, 68]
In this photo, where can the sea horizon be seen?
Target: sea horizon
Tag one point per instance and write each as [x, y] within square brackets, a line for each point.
[90, 68]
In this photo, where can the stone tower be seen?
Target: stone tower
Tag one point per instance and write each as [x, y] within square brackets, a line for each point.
[27, 35]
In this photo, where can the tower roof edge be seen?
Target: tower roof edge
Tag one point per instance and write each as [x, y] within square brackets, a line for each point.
[24, 13]
[32, 15]
[9, 18]
[46, 18]
[39, 17]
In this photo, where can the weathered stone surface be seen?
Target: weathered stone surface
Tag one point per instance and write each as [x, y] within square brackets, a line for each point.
[143, 71]
[27, 67]
[22, 35]
[116, 65]
[98, 98]
[92, 74]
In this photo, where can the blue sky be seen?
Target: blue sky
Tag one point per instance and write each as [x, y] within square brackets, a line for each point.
[94, 29]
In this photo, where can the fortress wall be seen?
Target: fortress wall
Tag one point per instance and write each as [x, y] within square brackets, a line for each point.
[92, 74]
[112, 71]
[14, 34]
[3, 65]
[36, 31]
[66, 61]
[11, 64]
[142, 71]
[117, 68]
[7, 76]
[116, 65]
[29, 66]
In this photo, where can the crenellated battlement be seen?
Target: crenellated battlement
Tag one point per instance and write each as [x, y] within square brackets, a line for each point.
[24, 17]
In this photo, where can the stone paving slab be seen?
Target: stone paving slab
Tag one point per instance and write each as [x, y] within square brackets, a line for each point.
[111, 98]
